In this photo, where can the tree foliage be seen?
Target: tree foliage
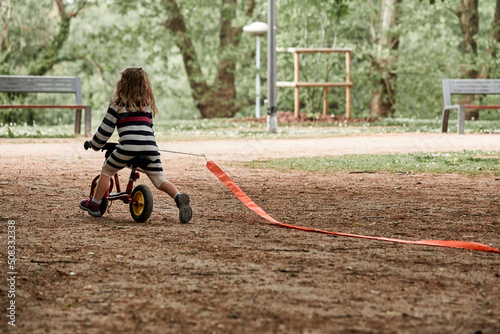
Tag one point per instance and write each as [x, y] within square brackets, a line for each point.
[201, 65]
[32, 37]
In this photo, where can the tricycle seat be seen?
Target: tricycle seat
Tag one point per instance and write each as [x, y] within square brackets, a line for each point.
[140, 161]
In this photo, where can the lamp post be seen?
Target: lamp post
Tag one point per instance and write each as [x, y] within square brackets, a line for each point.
[272, 113]
[257, 29]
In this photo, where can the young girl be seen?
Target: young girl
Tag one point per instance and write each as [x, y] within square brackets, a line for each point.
[131, 111]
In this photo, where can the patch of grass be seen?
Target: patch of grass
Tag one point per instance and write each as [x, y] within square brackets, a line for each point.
[201, 129]
[434, 125]
[13, 130]
[234, 128]
[228, 128]
[465, 162]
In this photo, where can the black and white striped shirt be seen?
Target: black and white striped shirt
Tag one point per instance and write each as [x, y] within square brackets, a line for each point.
[136, 138]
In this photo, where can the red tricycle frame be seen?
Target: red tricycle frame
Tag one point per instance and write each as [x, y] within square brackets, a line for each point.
[139, 198]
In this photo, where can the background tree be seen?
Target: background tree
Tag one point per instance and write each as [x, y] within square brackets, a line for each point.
[5, 16]
[415, 49]
[495, 27]
[29, 46]
[216, 99]
[384, 61]
[48, 54]
[313, 24]
[494, 47]
[32, 37]
[467, 11]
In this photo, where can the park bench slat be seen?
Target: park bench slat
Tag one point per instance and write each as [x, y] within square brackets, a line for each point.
[27, 84]
[41, 106]
[476, 106]
[474, 86]
[313, 84]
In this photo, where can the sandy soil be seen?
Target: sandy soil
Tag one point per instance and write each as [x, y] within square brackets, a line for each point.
[227, 271]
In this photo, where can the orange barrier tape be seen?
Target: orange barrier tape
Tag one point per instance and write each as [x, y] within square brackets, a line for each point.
[228, 182]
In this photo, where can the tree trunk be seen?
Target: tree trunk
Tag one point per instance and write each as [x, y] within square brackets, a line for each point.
[5, 52]
[467, 12]
[49, 55]
[225, 89]
[495, 29]
[217, 100]
[5, 23]
[384, 63]
[199, 87]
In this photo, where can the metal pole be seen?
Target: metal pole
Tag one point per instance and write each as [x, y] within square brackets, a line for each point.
[257, 80]
[272, 117]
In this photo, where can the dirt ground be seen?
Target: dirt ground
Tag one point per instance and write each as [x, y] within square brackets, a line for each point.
[229, 272]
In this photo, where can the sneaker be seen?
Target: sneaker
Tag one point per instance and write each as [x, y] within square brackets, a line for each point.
[92, 209]
[185, 211]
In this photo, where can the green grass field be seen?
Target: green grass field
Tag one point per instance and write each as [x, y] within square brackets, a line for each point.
[465, 162]
[201, 129]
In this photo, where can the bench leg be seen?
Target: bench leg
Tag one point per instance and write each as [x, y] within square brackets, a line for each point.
[88, 121]
[444, 121]
[78, 121]
[461, 119]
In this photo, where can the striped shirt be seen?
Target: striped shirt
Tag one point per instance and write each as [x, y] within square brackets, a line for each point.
[136, 138]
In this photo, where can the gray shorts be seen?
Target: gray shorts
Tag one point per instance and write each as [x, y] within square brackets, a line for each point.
[156, 177]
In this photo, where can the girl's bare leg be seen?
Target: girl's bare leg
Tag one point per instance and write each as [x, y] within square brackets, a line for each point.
[102, 186]
[169, 188]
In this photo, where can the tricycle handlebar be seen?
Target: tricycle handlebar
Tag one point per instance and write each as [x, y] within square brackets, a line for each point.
[106, 147]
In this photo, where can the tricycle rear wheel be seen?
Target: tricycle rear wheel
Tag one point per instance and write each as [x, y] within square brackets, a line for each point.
[143, 207]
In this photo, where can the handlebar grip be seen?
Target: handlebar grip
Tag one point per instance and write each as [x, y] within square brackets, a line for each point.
[86, 145]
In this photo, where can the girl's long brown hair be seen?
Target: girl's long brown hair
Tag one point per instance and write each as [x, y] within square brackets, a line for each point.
[134, 92]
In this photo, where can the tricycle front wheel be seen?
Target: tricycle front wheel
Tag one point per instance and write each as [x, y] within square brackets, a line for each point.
[141, 206]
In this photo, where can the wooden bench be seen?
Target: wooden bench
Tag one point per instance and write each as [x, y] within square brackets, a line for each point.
[466, 87]
[46, 84]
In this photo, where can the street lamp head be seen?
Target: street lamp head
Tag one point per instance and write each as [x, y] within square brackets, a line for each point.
[256, 28]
